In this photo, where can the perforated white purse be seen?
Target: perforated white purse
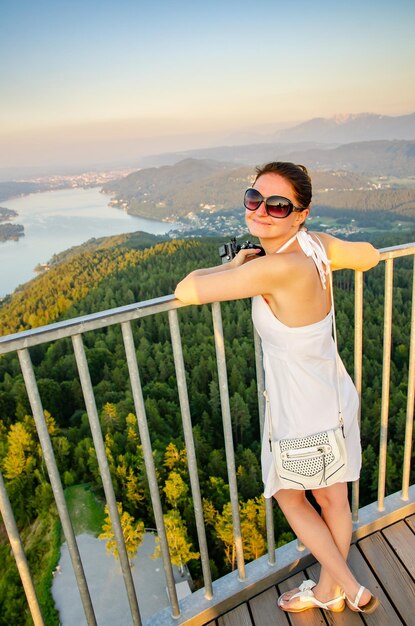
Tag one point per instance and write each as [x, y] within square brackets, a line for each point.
[317, 460]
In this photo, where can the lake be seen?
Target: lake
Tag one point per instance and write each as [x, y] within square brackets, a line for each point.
[57, 220]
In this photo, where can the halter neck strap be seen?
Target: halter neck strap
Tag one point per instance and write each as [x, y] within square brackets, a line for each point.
[287, 244]
[313, 249]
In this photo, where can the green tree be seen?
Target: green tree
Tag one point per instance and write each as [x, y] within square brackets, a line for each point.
[223, 526]
[109, 417]
[240, 417]
[133, 438]
[130, 485]
[20, 456]
[174, 457]
[133, 532]
[177, 538]
[253, 528]
[175, 489]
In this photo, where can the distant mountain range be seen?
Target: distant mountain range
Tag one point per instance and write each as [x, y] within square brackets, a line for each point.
[308, 138]
[249, 145]
[350, 128]
[374, 158]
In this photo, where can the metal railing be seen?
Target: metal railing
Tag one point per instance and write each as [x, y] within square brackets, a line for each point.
[123, 316]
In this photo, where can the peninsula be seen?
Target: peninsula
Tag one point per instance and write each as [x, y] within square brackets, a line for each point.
[7, 229]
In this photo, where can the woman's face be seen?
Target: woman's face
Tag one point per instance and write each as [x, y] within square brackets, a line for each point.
[264, 226]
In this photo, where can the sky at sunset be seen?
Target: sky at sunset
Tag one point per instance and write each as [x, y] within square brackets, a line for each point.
[98, 81]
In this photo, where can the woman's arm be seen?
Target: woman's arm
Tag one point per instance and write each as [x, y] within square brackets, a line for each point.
[242, 257]
[241, 280]
[354, 255]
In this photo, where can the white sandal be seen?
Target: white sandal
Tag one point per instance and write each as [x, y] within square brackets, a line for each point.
[369, 607]
[306, 596]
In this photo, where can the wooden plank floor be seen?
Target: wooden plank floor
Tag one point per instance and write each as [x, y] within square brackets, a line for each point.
[383, 561]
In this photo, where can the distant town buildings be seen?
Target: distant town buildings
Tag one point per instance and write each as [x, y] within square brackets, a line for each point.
[86, 179]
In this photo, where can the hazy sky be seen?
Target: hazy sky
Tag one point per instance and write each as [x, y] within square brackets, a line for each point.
[100, 79]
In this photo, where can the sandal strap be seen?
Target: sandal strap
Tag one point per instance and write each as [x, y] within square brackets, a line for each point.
[305, 594]
[358, 596]
[307, 584]
[341, 597]
[305, 590]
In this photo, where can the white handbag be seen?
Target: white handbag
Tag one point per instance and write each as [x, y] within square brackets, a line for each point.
[313, 461]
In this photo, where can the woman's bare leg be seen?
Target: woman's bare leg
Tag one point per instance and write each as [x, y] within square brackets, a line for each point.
[315, 533]
[335, 511]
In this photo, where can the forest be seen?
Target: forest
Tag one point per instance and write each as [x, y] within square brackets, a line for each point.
[172, 191]
[128, 269]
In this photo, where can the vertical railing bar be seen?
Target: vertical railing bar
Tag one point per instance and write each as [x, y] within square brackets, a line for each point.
[190, 450]
[387, 345]
[227, 429]
[358, 360]
[56, 484]
[19, 555]
[99, 445]
[260, 376]
[149, 463]
[410, 400]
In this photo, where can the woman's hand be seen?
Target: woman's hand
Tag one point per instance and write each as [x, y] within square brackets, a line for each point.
[244, 255]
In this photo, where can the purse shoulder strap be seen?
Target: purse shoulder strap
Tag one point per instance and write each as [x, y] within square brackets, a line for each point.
[333, 317]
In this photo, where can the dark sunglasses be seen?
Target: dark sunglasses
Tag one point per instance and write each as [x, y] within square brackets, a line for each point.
[275, 206]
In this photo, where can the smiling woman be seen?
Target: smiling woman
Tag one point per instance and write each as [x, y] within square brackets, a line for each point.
[309, 393]
[240, 279]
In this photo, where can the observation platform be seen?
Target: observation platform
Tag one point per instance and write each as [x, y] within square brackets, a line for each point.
[383, 550]
[384, 561]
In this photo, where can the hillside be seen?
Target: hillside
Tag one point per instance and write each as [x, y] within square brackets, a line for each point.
[192, 185]
[74, 274]
[172, 191]
[401, 202]
[10, 189]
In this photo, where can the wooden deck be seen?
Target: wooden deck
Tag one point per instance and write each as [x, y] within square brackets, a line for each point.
[383, 561]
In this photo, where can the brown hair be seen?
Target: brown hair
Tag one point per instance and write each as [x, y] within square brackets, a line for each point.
[297, 175]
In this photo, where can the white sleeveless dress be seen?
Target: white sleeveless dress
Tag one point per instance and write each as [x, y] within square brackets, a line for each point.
[300, 378]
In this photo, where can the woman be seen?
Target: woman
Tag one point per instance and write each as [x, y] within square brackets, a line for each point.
[292, 314]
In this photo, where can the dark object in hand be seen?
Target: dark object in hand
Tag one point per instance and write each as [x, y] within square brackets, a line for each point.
[229, 250]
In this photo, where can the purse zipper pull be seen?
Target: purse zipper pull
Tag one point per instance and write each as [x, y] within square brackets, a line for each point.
[341, 420]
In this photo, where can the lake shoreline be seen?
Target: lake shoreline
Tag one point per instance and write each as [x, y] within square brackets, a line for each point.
[57, 220]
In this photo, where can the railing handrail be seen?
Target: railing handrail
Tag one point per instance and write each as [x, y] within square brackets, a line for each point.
[393, 252]
[93, 321]
[85, 323]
